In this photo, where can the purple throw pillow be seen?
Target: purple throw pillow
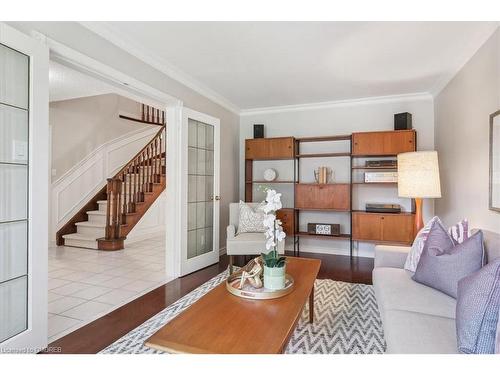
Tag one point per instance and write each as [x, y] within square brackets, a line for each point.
[478, 308]
[497, 345]
[442, 264]
[458, 233]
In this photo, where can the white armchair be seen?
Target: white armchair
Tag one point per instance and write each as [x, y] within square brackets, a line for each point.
[244, 243]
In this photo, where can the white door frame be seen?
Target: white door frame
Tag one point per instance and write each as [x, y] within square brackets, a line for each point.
[146, 94]
[204, 260]
[35, 337]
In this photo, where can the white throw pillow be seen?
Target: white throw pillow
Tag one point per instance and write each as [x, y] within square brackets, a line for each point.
[458, 233]
[251, 221]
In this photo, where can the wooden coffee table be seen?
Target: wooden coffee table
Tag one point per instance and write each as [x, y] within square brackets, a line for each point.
[220, 322]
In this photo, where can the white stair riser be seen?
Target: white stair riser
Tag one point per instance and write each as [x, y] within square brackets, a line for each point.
[97, 219]
[103, 207]
[95, 232]
[81, 243]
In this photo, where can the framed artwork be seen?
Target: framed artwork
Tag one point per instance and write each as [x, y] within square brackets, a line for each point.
[495, 161]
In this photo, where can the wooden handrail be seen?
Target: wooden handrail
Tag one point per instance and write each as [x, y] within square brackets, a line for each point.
[144, 148]
[132, 182]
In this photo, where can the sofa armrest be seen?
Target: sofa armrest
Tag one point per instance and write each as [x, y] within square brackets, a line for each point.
[231, 231]
[391, 256]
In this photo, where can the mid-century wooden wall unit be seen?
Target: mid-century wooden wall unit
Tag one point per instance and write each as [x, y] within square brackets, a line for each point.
[336, 197]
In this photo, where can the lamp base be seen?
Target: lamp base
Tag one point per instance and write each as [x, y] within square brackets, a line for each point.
[419, 219]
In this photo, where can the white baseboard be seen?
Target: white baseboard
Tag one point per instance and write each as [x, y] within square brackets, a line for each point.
[145, 234]
[365, 253]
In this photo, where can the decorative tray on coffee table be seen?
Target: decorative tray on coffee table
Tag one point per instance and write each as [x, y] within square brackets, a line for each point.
[248, 291]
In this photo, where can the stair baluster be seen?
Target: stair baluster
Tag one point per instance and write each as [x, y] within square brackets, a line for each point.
[128, 186]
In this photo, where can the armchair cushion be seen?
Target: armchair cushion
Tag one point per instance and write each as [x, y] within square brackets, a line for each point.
[231, 231]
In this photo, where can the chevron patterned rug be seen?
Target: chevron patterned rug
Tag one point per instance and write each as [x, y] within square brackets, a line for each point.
[346, 321]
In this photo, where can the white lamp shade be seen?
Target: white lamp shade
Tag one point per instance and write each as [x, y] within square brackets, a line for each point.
[418, 175]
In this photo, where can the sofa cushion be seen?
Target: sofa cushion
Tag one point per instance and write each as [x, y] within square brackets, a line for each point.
[415, 333]
[442, 266]
[491, 244]
[395, 290]
[478, 304]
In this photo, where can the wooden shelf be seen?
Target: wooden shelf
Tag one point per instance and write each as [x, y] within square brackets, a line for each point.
[384, 213]
[325, 139]
[270, 159]
[376, 156]
[316, 184]
[374, 183]
[269, 182]
[320, 209]
[379, 242]
[386, 168]
[344, 236]
[324, 155]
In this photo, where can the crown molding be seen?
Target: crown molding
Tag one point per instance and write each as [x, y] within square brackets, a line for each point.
[338, 103]
[106, 32]
[462, 61]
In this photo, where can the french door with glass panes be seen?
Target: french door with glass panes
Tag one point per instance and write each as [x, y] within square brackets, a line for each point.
[23, 192]
[201, 214]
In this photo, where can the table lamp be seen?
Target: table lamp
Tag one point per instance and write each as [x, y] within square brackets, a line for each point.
[418, 178]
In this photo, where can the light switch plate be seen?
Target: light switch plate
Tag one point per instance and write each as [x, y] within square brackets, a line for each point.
[19, 150]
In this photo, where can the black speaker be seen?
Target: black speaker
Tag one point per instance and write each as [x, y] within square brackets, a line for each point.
[402, 121]
[258, 130]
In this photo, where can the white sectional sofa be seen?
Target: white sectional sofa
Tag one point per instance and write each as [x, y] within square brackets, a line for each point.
[416, 318]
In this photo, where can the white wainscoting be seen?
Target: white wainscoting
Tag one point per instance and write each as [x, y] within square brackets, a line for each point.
[77, 186]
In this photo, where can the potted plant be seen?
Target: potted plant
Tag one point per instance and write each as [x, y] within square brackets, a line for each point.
[274, 264]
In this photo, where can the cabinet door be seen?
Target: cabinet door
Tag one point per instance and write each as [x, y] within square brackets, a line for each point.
[280, 148]
[256, 148]
[399, 141]
[287, 217]
[367, 143]
[327, 196]
[383, 143]
[366, 227]
[398, 228]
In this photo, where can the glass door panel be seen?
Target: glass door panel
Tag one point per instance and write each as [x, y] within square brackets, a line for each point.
[200, 188]
[14, 99]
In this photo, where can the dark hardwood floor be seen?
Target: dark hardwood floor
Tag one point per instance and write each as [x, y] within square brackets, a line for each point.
[100, 333]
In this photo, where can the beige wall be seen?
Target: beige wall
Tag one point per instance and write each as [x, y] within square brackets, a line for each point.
[462, 112]
[79, 126]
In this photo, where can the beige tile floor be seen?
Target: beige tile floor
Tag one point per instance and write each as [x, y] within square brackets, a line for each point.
[86, 284]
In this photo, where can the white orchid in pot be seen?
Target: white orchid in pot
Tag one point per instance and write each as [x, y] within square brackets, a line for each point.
[274, 264]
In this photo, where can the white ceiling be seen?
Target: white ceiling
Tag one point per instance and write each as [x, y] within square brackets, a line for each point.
[264, 64]
[66, 83]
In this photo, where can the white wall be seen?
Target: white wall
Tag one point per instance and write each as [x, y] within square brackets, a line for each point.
[337, 119]
[80, 126]
[77, 186]
[462, 112]
[84, 41]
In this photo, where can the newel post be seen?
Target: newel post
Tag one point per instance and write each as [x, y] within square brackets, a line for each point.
[113, 214]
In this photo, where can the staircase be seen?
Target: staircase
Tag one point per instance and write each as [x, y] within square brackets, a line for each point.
[104, 222]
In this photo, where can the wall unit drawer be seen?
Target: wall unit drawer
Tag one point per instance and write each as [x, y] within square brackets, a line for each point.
[394, 228]
[270, 148]
[323, 196]
[383, 143]
[287, 217]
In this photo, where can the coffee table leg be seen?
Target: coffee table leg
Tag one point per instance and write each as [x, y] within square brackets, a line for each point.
[311, 306]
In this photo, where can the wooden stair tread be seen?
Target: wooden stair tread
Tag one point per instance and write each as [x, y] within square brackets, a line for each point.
[89, 224]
